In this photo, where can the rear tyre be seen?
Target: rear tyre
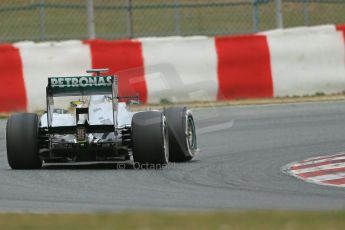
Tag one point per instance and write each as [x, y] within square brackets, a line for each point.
[22, 141]
[182, 135]
[150, 139]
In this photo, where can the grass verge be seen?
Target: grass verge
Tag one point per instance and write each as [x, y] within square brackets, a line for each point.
[67, 19]
[258, 101]
[238, 102]
[178, 220]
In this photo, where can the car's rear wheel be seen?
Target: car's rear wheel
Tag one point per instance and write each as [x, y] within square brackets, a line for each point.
[22, 141]
[150, 139]
[182, 135]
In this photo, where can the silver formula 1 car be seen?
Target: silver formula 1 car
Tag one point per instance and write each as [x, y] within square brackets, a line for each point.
[95, 125]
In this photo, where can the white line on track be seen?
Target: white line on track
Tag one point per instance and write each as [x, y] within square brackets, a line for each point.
[318, 161]
[327, 177]
[319, 168]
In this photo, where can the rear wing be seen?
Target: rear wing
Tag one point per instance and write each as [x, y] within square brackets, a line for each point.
[81, 85]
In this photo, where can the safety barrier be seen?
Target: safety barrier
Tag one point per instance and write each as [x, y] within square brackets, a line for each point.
[298, 61]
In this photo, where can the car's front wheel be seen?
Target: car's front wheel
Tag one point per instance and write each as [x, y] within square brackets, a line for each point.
[182, 135]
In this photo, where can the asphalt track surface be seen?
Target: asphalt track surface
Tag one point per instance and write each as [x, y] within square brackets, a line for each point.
[239, 167]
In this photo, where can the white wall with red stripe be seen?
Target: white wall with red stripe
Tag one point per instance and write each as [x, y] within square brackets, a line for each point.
[298, 61]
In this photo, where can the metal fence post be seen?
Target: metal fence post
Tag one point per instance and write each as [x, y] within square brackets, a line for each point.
[90, 19]
[305, 13]
[256, 17]
[129, 19]
[177, 17]
[42, 20]
[279, 14]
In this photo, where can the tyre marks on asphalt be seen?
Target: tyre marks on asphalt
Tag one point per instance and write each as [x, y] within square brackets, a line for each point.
[324, 170]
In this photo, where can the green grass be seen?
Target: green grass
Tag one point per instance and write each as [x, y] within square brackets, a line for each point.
[318, 97]
[236, 220]
[66, 19]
